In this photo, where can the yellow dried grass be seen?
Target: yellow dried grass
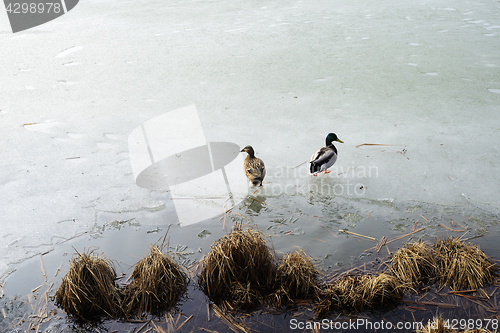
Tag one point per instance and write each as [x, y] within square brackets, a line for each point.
[297, 273]
[296, 278]
[158, 284]
[414, 263]
[462, 266]
[244, 296]
[357, 293]
[88, 289]
[380, 290]
[240, 258]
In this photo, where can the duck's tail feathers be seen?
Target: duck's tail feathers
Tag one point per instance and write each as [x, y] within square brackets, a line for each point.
[314, 168]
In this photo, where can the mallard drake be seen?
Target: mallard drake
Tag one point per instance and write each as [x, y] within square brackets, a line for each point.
[324, 157]
[255, 169]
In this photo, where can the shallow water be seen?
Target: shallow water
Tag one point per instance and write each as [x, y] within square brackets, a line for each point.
[313, 222]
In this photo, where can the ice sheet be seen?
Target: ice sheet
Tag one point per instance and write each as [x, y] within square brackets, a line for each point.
[421, 78]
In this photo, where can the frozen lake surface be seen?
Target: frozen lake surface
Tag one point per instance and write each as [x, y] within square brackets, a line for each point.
[421, 78]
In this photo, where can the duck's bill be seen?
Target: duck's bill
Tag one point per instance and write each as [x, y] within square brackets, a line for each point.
[339, 141]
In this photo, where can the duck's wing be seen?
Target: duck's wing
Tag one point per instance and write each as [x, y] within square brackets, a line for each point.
[256, 168]
[322, 155]
[322, 159]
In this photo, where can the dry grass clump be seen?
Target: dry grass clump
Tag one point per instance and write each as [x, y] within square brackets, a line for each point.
[279, 297]
[463, 266]
[328, 300]
[240, 258]
[296, 276]
[357, 293]
[380, 290]
[88, 289]
[339, 295]
[450, 261]
[158, 284]
[244, 296]
[414, 263]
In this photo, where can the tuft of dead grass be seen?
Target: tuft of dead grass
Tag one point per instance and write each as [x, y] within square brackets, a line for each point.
[296, 273]
[414, 263]
[336, 296]
[88, 289]
[158, 284]
[358, 293]
[241, 268]
[244, 296]
[296, 278]
[380, 290]
[240, 258]
[462, 266]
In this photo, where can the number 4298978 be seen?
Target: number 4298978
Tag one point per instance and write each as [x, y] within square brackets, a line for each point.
[25, 7]
[472, 324]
